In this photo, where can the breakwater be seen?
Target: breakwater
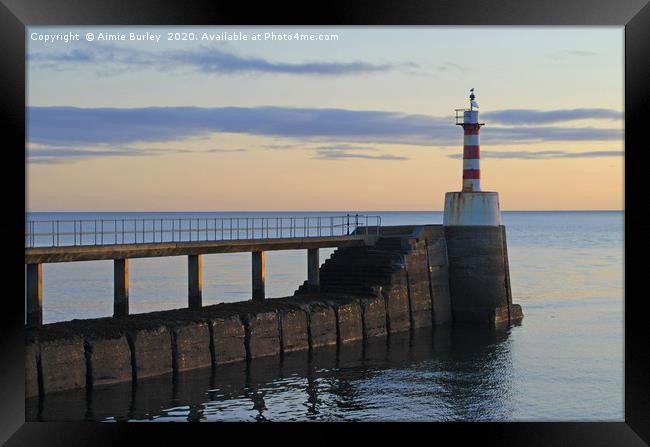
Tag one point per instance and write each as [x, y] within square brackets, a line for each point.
[411, 277]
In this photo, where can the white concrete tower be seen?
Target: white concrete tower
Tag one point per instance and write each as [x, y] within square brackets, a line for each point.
[471, 206]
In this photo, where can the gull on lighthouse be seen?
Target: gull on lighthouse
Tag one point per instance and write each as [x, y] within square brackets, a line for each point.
[472, 103]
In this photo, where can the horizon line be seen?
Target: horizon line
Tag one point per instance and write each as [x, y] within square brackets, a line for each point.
[330, 211]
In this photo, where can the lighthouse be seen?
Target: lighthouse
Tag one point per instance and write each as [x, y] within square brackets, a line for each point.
[477, 253]
[471, 206]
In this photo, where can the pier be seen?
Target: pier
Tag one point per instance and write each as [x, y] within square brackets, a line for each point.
[48, 241]
[380, 280]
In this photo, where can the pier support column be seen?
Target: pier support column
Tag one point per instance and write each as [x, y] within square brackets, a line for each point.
[195, 281]
[313, 274]
[34, 295]
[120, 287]
[259, 273]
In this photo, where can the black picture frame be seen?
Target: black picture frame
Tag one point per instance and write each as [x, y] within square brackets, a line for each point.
[15, 15]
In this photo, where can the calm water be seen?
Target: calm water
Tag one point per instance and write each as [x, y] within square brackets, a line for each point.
[563, 363]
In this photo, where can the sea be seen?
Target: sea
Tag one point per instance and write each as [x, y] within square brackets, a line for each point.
[564, 362]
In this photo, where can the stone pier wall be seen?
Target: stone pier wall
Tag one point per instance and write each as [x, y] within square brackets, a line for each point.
[93, 353]
[413, 277]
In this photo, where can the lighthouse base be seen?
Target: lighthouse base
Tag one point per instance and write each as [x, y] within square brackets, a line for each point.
[477, 253]
[472, 208]
[479, 276]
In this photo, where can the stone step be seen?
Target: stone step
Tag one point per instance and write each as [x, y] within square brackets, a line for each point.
[387, 266]
[333, 279]
[360, 291]
[366, 280]
[357, 270]
[368, 257]
[359, 266]
[388, 263]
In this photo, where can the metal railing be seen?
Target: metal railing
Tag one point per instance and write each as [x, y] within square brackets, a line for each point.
[66, 233]
[460, 116]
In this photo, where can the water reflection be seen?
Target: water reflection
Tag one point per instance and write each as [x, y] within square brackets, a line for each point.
[452, 372]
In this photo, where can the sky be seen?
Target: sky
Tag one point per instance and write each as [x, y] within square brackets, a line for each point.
[361, 121]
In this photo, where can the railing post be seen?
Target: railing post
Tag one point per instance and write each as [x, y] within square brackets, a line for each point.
[34, 295]
[259, 273]
[120, 288]
[195, 281]
[313, 274]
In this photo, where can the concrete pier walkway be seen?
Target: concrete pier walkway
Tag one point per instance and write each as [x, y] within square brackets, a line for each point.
[40, 255]
[123, 239]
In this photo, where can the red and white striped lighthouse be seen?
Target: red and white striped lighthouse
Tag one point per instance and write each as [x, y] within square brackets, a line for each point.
[471, 206]
[471, 147]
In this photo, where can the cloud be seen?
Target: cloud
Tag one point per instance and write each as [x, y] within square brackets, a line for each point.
[450, 66]
[335, 155]
[571, 53]
[72, 126]
[350, 151]
[215, 61]
[344, 147]
[283, 146]
[224, 151]
[330, 147]
[109, 59]
[543, 155]
[44, 154]
[521, 134]
[536, 117]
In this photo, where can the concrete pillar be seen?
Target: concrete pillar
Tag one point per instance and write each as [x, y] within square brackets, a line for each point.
[195, 281]
[34, 295]
[120, 287]
[259, 273]
[313, 274]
